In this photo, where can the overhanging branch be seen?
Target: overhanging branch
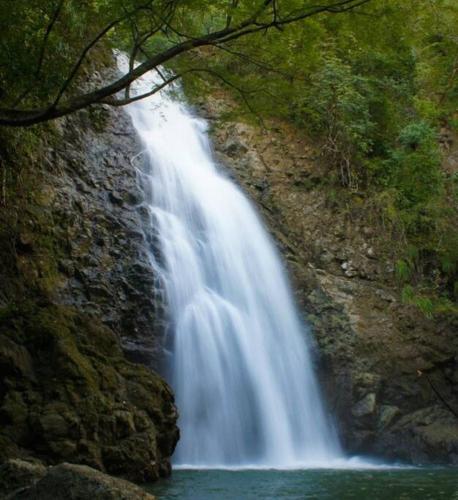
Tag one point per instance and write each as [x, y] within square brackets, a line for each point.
[253, 24]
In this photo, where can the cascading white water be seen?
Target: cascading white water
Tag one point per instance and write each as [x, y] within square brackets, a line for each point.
[241, 366]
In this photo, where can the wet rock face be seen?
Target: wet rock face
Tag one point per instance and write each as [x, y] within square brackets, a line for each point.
[385, 369]
[98, 192]
[78, 305]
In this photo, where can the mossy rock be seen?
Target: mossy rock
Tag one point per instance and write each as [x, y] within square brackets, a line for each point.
[69, 394]
[21, 479]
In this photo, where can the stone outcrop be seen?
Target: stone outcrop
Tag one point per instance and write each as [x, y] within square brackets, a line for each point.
[18, 474]
[386, 369]
[96, 194]
[77, 301]
[25, 480]
[69, 394]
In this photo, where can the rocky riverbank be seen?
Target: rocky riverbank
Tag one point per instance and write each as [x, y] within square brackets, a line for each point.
[390, 374]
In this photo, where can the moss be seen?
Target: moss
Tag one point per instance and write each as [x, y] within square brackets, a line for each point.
[7, 448]
[29, 246]
[87, 391]
[99, 118]
[14, 410]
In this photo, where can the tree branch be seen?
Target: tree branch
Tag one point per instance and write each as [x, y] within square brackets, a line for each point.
[233, 6]
[155, 90]
[14, 117]
[89, 46]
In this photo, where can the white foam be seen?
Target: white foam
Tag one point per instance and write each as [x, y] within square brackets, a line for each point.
[241, 368]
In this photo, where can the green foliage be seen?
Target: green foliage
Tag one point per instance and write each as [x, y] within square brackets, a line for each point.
[336, 106]
[429, 305]
[34, 63]
[42, 42]
[403, 270]
[374, 90]
[425, 304]
[413, 168]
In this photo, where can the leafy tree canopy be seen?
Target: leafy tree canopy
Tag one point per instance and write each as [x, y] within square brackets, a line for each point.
[45, 44]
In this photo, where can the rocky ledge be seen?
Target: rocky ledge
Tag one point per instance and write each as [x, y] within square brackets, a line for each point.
[26, 480]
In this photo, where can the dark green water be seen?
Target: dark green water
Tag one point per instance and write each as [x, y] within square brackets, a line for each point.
[402, 484]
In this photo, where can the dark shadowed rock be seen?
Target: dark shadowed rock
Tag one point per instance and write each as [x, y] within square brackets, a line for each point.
[79, 302]
[16, 474]
[78, 482]
[87, 404]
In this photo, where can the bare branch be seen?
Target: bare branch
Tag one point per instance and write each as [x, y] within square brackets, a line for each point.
[233, 6]
[140, 40]
[129, 100]
[255, 62]
[46, 36]
[89, 46]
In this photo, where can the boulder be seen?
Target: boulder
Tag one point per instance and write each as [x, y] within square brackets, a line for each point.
[16, 474]
[365, 406]
[75, 482]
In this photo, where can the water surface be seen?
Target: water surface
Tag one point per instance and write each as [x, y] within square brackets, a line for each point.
[402, 484]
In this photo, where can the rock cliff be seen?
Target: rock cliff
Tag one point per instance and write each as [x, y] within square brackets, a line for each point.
[77, 304]
[390, 374]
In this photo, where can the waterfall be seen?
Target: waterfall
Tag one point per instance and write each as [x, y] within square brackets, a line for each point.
[240, 362]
